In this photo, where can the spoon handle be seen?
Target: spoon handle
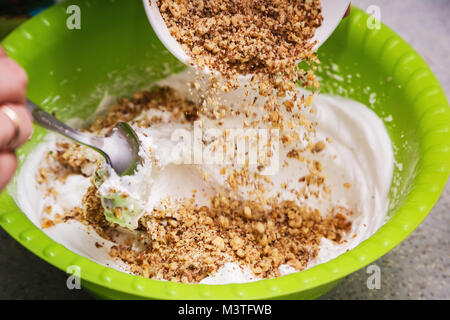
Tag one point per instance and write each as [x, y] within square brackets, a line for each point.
[49, 122]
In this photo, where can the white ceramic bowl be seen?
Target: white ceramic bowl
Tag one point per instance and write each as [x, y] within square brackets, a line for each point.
[332, 10]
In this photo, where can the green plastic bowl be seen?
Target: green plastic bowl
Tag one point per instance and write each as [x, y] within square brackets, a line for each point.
[117, 52]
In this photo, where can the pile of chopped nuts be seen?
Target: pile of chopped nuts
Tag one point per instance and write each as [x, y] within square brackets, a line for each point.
[190, 243]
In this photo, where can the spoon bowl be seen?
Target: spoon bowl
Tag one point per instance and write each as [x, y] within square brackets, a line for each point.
[120, 148]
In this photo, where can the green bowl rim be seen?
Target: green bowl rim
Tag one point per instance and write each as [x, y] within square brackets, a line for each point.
[434, 165]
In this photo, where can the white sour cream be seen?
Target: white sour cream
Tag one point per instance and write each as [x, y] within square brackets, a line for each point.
[360, 154]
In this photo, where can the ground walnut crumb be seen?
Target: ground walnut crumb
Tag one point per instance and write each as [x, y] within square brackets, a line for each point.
[318, 147]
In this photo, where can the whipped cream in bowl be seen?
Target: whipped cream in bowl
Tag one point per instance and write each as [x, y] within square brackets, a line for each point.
[342, 169]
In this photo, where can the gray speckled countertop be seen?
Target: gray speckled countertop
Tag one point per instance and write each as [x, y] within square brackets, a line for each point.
[419, 268]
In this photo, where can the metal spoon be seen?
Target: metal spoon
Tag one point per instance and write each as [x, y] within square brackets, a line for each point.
[119, 148]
